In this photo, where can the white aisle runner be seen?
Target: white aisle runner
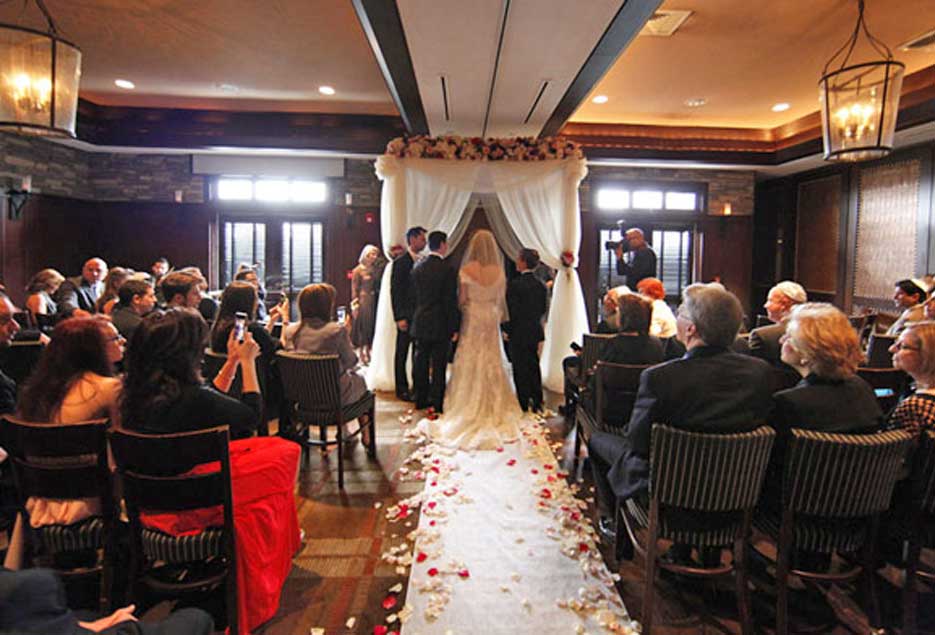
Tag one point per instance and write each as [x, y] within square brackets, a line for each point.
[503, 546]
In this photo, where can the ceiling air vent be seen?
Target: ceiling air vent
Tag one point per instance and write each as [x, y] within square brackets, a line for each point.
[925, 42]
[665, 22]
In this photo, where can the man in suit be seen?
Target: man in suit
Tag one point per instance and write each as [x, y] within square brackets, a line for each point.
[402, 298]
[642, 258]
[711, 389]
[764, 341]
[8, 330]
[435, 322]
[526, 301]
[78, 295]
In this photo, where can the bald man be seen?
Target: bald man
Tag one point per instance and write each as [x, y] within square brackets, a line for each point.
[640, 260]
[78, 295]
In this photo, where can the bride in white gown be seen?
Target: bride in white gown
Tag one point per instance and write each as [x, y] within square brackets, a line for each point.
[481, 411]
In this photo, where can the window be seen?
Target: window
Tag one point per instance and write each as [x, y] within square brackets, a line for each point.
[673, 264]
[271, 190]
[302, 261]
[679, 197]
[243, 243]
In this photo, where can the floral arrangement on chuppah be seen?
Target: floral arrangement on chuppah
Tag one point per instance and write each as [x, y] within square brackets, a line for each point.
[478, 149]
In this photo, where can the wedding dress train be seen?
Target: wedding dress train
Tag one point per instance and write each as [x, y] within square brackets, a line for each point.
[481, 410]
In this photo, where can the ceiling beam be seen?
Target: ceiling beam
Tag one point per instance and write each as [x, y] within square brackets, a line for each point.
[631, 17]
[384, 30]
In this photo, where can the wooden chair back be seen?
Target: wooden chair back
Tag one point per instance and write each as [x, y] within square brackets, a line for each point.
[19, 359]
[311, 383]
[615, 388]
[592, 346]
[878, 350]
[887, 383]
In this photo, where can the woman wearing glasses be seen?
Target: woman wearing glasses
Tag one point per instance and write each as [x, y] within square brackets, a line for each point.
[914, 353]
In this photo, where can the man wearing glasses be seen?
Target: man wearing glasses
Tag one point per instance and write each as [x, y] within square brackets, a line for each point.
[8, 330]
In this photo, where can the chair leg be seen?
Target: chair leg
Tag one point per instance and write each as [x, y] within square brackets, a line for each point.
[649, 593]
[373, 433]
[233, 616]
[872, 601]
[340, 439]
[783, 557]
[743, 592]
[911, 588]
[576, 459]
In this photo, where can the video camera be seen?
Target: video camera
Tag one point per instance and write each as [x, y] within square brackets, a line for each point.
[612, 245]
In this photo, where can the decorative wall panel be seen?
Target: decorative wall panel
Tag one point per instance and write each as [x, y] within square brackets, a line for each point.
[886, 227]
[818, 234]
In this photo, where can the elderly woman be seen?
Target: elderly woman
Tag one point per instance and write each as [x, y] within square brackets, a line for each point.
[914, 353]
[663, 320]
[364, 300]
[823, 348]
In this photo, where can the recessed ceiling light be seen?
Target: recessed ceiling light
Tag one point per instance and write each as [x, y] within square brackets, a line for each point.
[696, 102]
[600, 99]
[780, 107]
[326, 90]
[125, 84]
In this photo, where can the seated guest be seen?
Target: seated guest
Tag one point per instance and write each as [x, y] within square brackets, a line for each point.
[765, 341]
[914, 353]
[81, 293]
[823, 348]
[136, 298]
[163, 393]
[633, 345]
[115, 278]
[317, 332]
[33, 601]
[182, 288]
[163, 390]
[663, 321]
[73, 382]
[909, 297]
[40, 290]
[241, 297]
[247, 273]
[711, 389]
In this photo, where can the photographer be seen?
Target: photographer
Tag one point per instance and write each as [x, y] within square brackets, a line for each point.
[642, 259]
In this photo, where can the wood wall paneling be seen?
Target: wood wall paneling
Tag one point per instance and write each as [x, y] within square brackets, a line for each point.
[818, 214]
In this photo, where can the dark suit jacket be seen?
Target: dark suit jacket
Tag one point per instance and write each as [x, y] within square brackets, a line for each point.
[435, 287]
[643, 266]
[709, 390]
[401, 288]
[525, 300]
[75, 293]
[764, 343]
[624, 349]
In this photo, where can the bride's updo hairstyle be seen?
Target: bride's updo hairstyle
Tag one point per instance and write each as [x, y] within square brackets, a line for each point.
[483, 250]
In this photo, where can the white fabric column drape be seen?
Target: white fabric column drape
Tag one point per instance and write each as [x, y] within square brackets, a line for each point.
[540, 205]
[545, 216]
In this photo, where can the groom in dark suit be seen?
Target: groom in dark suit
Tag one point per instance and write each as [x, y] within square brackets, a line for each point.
[435, 322]
[526, 300]
[402, 294]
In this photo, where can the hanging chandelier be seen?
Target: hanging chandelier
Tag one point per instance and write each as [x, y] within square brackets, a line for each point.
[860, 102]
[39, 77]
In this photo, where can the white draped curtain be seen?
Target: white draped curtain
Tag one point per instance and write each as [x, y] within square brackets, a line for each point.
[538, 203]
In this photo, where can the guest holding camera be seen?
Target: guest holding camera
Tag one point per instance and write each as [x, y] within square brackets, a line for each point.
[640, 260]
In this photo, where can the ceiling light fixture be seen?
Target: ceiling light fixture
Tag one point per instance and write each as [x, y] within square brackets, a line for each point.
[326, 90]
[600, 99]
[126, 84]
[780, 107]
[696, 102]
[39, 77]
[860, 102]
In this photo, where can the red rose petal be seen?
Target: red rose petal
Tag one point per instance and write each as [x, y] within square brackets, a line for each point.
[389, 602]
[379, 629]
[431, 523]
[421, 556]
[575, 516]
[433, 571]
[583, 546]
[464, 573]
[548, 466]
[511, 462]
[500, 449]
[550, 478]
[434, 483]
[432, 504]
[546, 493]
[534, 471]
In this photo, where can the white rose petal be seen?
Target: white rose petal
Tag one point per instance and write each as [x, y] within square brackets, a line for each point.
[350, 623]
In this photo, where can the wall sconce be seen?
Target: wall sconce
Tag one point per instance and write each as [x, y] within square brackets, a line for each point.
[727, 210]
[348, 199]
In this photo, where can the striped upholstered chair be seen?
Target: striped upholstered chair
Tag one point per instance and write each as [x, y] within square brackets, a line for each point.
[615, 388]
[313, 398]
[834, 489]
[703, 489]
[921, 527]
[65, 462]
[158, 477]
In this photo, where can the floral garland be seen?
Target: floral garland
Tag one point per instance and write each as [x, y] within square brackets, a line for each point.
[478, 149]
